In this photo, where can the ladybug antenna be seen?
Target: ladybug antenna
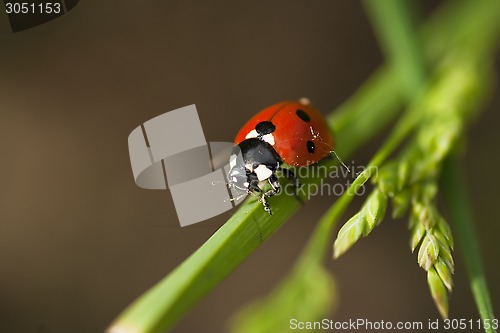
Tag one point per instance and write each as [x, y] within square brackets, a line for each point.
[317, 136]
[341, 162]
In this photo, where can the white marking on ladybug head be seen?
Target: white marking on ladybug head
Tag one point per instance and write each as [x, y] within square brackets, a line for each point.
[232, 161]
[246, 184]
[269, 138]
[252, 134]
[263, 172]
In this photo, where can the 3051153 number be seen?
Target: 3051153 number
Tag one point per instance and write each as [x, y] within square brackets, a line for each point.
[33, 8]
[479, 324]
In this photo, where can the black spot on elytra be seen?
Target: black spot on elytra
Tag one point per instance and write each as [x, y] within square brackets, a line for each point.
[311, 148]
[303, 115]
[265, 127]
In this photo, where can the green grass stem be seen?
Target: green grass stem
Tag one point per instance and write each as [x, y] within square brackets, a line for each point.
[458, 204]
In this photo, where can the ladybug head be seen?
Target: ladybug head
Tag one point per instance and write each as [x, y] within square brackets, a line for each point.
[251, 162]
[238, 178]
[238, 173]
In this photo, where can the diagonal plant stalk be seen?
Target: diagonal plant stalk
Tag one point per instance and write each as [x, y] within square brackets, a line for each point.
[163, 305]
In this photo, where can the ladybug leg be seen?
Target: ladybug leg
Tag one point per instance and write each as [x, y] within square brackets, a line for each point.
[254, 188]
[295, 181]
[253, 184]
[275, 189]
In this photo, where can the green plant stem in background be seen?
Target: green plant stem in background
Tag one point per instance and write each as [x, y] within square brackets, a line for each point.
[392, 23]
[458, 205]
[393, 26]
[356, 121]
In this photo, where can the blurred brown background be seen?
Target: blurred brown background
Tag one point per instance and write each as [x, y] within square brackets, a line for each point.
[79, 240]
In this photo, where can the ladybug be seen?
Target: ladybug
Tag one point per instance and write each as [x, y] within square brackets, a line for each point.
[288, 132]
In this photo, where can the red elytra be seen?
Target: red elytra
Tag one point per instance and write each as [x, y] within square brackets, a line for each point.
[301, 137]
